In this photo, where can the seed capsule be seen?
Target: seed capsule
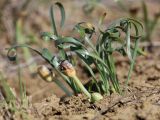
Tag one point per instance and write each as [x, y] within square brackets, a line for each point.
[45, 73]
[96, 97]
[90, 26]
[12, 54]
[67, 68]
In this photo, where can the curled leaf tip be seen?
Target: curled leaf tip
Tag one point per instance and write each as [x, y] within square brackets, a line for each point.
[12, 54]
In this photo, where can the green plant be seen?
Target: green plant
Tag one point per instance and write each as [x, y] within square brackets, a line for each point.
[149, 24]
[9, 96]
[23, 97]
[69, 70]
[11, 102]
[20, 39]
[116, 38]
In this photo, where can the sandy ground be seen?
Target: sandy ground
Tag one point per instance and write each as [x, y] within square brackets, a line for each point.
[140, 102]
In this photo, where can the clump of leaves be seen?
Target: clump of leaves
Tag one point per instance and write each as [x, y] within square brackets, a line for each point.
[116, 37]
[10, 103]
[148, 22]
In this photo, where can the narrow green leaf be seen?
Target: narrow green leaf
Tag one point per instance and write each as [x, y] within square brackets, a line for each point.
[53, 21]
[46, 54]
[21, 46]
[132, 62]
[128, 41]
[48, 36]
[20, 39]
[52, 17]
[69, 40]
[9, 94]
[145, 12]
[62, 13]
[63, 87]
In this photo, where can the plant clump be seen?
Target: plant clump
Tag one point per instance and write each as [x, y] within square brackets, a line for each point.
[122, 36]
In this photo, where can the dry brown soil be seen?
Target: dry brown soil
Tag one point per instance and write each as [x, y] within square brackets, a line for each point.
[141, 100]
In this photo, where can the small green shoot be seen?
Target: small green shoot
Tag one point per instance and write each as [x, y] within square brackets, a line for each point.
[10, 98]
[23, 97]
[149, 24]
[20, 38]
[11, 102]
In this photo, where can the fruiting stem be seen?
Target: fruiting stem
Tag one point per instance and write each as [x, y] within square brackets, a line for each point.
[80, 85]
[69, 71]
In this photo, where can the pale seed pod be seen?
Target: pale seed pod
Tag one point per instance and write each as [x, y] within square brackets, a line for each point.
[67, 68]
[12, 54]
[70, 71]
[90, 26]
[96, 97]
[45, 73]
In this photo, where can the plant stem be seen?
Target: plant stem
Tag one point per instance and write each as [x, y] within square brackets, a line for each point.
[132, 62]
[20, 38]
[80, 85]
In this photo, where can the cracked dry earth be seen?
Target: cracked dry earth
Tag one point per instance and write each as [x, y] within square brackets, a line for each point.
[140, 102]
